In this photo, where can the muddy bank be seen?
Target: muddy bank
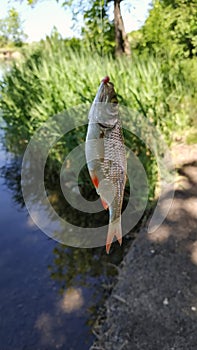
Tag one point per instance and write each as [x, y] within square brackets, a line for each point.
[154, 303]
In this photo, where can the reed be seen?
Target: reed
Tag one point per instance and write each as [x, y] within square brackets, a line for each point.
[52, 78]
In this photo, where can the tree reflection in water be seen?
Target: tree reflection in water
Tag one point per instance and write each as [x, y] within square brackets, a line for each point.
[74, 268]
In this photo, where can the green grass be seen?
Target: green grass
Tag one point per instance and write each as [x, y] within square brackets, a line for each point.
[192, 138]
[55, 78]
[52, 78]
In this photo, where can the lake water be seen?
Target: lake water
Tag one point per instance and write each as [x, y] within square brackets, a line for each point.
[49, 293]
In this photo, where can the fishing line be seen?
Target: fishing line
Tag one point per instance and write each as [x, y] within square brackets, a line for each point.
[102, 29]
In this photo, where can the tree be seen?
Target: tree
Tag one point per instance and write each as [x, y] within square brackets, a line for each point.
[171, 27]
[11, 31]
[88, 9]
[121, 38]
[91, 17]
[98, 31]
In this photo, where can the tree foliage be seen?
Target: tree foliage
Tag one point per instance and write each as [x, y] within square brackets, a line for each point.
[171, 27]
[11, 30]
[98, 28]
[98, 31]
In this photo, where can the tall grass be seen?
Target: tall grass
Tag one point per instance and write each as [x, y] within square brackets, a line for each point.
[52, 78]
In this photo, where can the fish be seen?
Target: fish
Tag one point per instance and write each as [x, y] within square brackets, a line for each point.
[106, 156]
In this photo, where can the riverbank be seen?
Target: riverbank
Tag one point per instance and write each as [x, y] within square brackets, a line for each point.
[154, 303]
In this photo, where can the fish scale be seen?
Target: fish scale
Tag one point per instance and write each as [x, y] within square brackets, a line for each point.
[113, 150]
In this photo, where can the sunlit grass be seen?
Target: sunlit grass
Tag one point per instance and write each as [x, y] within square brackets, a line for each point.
[192, 137]
[52, 78]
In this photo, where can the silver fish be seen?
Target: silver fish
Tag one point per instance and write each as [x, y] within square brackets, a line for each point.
[106, 156]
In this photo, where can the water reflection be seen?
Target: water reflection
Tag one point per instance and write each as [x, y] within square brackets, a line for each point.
[82, 277]
[11, 172]
[72, 300]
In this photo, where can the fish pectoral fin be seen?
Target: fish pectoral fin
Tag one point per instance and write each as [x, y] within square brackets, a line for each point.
[95, 180]
[114, 230]
[104, 203]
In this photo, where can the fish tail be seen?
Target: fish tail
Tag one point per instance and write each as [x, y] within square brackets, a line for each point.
[114, 229]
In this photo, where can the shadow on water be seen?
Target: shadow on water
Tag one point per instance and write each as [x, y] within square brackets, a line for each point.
[50, 292]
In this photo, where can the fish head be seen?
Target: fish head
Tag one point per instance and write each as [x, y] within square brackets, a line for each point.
[104, 109]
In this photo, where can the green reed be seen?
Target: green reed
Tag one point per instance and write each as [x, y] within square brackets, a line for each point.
[52, 78]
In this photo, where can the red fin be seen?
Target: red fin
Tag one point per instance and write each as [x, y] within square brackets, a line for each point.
[108, 245]
[105, 205]
[95, 181]
[114, 230]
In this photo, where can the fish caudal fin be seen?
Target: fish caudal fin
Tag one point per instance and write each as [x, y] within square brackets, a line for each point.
[114, 230]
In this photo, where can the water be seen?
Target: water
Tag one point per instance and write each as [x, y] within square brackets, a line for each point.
[49, 293]
[33, 313]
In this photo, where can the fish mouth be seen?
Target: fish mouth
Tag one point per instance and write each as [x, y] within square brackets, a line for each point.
[104, 109]
[107, 106]
[107, 94]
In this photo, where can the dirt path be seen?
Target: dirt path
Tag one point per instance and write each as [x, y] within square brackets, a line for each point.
[154, 304]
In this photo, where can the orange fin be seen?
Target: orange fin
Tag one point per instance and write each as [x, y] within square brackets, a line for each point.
[104, 203]
[114, 230]
[95, 181]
